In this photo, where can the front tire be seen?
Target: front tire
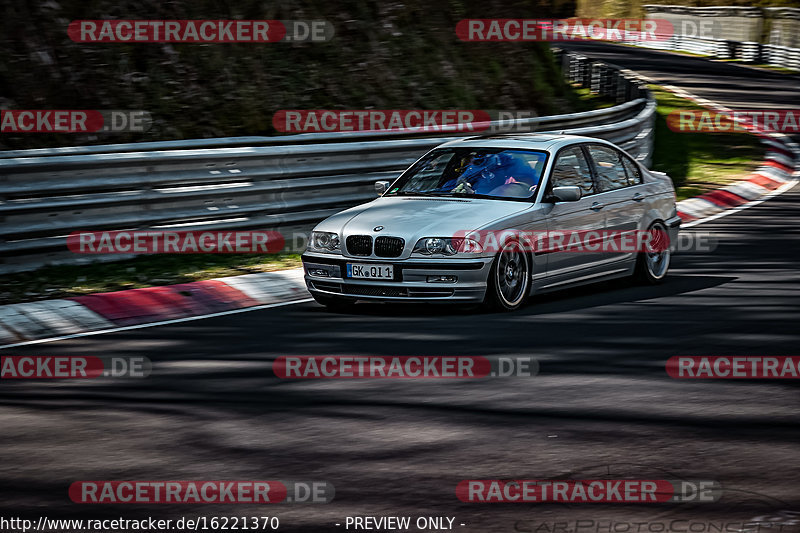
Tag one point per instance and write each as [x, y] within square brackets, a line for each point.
[652, 264]
[509, 279]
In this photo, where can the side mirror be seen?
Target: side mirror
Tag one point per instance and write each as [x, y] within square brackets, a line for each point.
[382, 186]
[571, 193]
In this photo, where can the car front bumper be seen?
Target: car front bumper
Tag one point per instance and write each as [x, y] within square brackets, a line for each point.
[325, 276]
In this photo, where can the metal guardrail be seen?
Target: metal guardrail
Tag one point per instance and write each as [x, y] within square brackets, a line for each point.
[751, 34]
[781, 56]
[749, 52]
[283, 183]
[697, 45]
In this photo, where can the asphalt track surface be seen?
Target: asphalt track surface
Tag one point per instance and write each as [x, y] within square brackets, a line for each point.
[602, 405]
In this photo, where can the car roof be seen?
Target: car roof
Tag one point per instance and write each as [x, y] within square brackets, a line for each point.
[526, 141]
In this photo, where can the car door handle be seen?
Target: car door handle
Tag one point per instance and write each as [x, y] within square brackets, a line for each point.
[597, 206]
[638, 197]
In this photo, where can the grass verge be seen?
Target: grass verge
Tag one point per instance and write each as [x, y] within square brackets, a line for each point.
[144, 271]
[587, 100]
[773, 68]
[699, 162]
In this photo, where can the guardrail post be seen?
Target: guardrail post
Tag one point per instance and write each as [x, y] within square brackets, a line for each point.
[793, 60]
[583, 68]
[770, 55]
[558, 56]
[631, 88]
[607, 81]
[596, 80]
[725, 49]
[572, 68]
[623, 86]
[751, 52]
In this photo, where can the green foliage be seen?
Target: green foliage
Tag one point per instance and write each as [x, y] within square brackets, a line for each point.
[143, 271]
[699, 161]
[384, 55]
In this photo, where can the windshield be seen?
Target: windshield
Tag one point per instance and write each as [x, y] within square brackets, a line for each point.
[482, 172]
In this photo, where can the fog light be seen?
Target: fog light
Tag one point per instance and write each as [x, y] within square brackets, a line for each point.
[442, 279]
[319, 272]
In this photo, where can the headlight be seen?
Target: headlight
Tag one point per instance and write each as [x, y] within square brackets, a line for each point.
[447, 246]
[324, 241]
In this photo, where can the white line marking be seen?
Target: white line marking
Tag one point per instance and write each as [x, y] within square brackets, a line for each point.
[736, 209]
[153, 324]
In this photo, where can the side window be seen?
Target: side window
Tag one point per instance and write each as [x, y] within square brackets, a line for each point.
[571, 168]
[608, 165]
[632, 169]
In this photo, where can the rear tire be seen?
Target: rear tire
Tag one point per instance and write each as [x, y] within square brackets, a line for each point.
[509, 279]
[652, 264]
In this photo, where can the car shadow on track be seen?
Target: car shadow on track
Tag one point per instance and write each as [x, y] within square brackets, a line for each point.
[587, 296]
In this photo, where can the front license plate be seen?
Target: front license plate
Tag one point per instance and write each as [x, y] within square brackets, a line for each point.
[354, 270]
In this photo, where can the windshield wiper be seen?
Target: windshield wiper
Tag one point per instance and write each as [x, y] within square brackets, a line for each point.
[419, 193]
[475, 195]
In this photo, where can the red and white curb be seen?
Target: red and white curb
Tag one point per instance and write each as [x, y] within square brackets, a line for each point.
[31, 323]
[778, 173]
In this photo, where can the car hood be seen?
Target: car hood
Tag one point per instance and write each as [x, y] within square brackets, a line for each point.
[413, 218]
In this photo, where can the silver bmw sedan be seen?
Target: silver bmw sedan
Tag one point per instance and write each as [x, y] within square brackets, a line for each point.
[493, 220]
